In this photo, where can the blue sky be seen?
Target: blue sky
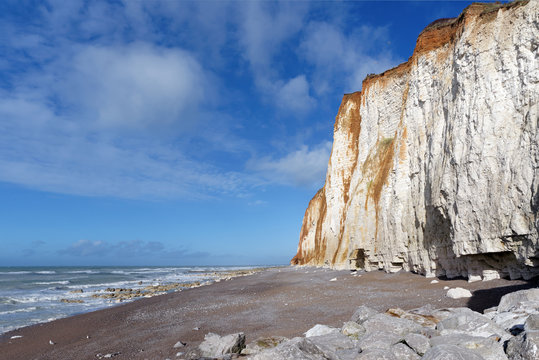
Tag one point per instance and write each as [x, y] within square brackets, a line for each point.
[178, 132]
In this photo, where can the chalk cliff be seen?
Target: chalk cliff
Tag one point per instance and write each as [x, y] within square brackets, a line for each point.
[435, 163]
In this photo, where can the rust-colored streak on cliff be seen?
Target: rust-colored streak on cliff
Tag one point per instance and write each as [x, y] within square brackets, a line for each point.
[323, 239]
[351, 121]
[314, 214]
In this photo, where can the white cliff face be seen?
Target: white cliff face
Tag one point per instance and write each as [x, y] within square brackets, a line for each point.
[435, 164]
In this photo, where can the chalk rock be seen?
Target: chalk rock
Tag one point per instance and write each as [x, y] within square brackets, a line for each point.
[487, 348]
[515, 308]
[376, 354]
[215, 345]
[262, 344]
[319, 329]
[296, 348]
[378, 340]
[466, 321]
[532, 323]
[450, 352]
[458, 293]
[403, 352]
[363, 313]
[524, 346]
[419, 343]
[336, 345]
[435, 163]
[386, 323]
[519, 299]
[422, 316]
[352, 330]
[179, 344]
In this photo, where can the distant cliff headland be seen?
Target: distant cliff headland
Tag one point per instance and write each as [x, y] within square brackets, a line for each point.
[435, 163]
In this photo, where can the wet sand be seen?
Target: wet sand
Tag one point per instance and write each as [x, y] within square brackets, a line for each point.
[279, 301]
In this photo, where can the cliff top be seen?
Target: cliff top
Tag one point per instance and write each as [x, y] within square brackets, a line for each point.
[442, 31]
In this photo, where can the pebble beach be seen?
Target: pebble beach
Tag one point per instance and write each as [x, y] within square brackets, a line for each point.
[282, 301]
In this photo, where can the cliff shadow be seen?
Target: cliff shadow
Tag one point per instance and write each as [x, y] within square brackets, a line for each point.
[487, 298]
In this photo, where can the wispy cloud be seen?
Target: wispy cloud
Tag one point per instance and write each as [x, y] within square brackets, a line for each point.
[342, 59]
[127, 249]
[266, 29]
[138, 86]
[302, 167]
[130, 100]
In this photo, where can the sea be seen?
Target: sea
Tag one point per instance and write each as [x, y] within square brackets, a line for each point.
[31, 295]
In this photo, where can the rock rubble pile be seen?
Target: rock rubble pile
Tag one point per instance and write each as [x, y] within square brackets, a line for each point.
[508, 331]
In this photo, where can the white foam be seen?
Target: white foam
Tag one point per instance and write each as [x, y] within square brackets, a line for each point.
[45, 272]
[65, 282]
[28, 309]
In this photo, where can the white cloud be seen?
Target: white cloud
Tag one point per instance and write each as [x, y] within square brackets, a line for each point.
[126, 249]
[136, 86]
[294, 95]
[303, 167]
[344, 58]
[86, 248]
[47, 151]
[266, 28]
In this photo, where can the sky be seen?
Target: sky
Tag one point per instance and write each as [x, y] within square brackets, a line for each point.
[178, 132]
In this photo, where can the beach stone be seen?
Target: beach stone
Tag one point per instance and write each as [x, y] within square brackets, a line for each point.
[490, 310]
[376, 354]
[387, 323]
[466, 321]
[515, 300]
[458, 293]
[179, 344]
[450, 352]
[215, 345]
[421, 316]
[363, 313]
[331, 345]
[319, 330]
[403, 352]
[262, 344]
[378, 340]
[296, 348]
[488, 348]
[515, 308]
[524, 346]
[532, 323]
[353, 330]
[419, 343]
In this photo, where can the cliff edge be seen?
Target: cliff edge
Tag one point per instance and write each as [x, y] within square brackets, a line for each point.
[435, 163]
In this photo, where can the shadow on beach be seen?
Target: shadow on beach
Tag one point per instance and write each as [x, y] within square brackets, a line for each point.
[487, 298]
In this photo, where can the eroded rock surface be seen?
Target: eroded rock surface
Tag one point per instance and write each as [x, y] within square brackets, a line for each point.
[397, 334]
[435, 163]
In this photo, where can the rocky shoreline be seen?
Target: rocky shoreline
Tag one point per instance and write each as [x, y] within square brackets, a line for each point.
[508, 331]
[125, 294]
[272, 308]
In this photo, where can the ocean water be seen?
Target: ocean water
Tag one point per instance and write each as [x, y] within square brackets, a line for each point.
[31, 295]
